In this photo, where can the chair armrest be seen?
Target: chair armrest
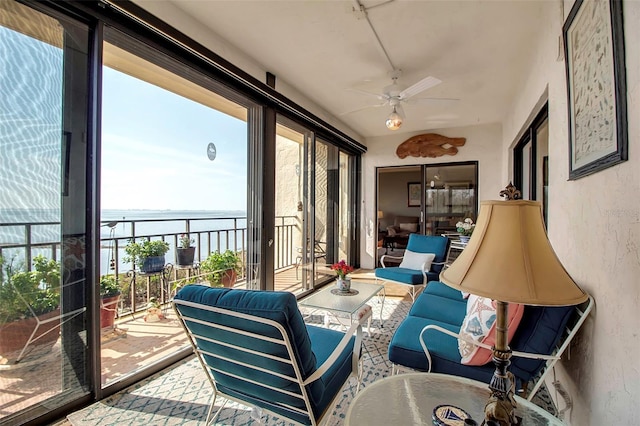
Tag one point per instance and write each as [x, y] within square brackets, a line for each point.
[444, 264]
[355, 328]
[473, 342]
[390, 257]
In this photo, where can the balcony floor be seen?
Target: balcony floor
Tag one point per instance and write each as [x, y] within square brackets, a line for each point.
[133, 345]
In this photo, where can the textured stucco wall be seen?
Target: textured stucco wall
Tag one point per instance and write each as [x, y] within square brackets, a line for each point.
[594, 227]
[483, 145]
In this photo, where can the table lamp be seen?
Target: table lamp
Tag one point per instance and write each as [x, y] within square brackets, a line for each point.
[510, 260]
[380, 216]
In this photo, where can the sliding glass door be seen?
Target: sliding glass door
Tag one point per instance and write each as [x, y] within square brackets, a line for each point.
[313, 213]
[44, 255]
[426, 199]
[173, 171]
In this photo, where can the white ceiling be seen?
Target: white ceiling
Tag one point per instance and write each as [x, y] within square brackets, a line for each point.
[322, 48]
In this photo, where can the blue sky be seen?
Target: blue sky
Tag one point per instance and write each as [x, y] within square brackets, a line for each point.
[148, 132]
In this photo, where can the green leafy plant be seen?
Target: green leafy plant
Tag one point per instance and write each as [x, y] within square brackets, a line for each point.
[185, 241]
[217, 264]
[137, 252]
[109, 286]
[466, 227]
[20, 289]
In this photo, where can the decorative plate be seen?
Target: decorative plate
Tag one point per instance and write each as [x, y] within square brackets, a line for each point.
[351, 292]
[449, 415]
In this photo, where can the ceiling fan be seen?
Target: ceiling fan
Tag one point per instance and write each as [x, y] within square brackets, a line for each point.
[394, 96]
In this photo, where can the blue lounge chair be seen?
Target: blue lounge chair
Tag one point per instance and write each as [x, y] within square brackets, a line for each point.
[416, 270]
[256, 349]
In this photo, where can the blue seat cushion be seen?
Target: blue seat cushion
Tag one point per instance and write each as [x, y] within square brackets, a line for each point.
[322, 391]
[323, 342]
[441, 289]
[441, 303]
[402, 275]
[405, 349]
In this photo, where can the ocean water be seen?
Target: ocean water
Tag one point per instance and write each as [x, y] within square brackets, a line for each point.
[122, 225]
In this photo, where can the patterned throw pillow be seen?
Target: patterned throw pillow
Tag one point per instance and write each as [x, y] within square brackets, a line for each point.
[480, 325]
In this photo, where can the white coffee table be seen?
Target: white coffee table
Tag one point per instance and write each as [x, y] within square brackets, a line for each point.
[344, 305]
[409, 399]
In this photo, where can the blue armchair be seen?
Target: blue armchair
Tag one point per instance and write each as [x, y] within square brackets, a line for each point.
[256, 349]
[417, 267]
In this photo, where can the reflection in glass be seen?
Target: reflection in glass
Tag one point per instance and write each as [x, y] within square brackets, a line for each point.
[43, 340]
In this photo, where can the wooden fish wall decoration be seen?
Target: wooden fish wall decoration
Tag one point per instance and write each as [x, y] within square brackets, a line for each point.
[430, 145]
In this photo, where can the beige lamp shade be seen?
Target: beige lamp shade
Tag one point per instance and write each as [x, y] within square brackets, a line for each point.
[380, 214]
[509, 258]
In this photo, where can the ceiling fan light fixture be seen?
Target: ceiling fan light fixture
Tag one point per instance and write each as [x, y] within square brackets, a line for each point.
[394, 121]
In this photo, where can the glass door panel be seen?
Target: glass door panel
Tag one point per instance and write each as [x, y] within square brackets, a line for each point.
[398, 208]
[450, 196]
[174, 170]
[43, 246]
[325, 213]
[290, 254]
[345, 226]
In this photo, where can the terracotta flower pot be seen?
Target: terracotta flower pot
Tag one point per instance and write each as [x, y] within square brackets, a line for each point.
[14, 335]
[229, 278]
[108, 309]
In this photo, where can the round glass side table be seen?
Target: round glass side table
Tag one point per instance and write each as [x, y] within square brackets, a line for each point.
[409, 399]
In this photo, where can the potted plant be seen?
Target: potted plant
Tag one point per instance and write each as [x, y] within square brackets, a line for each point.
[185, 251]
[148, 255]
[110, 296]
[344, 280]
[221, 268]
[465, 229]
[25, 295]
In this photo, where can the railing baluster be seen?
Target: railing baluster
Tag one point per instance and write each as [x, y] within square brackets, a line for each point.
[284, 233]
[27, 240]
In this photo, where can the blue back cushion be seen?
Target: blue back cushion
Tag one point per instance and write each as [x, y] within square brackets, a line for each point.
[430, 244]
[539, 332]
[277, 306]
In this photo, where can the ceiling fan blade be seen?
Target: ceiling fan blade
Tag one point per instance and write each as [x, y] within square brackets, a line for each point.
[433, 101]
[363, 108]
[424, 84]
[364, 92]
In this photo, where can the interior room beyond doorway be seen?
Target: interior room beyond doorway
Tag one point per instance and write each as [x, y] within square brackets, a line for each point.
[425, 199]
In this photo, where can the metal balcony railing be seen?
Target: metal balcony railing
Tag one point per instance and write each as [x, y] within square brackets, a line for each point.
[21, 242]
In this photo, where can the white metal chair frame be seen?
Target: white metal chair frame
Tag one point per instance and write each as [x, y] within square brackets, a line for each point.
[552, 359]
[356, 362]
[414, 287]
[63, 317]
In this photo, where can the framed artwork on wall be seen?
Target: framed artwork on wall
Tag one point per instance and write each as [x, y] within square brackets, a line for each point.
[413, 194]
[596, 86]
